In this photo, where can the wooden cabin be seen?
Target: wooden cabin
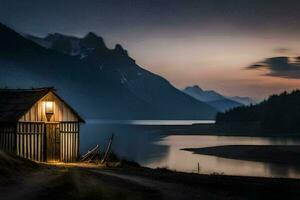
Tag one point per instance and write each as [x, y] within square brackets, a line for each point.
[39, 125]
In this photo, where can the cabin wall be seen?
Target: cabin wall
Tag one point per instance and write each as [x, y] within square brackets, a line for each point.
[7, 138]
[69, 138]
[30, 140]
[61, 111]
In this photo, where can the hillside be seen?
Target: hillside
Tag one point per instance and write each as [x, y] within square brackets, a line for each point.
[99, 82]
[12, 167]
[279, 112]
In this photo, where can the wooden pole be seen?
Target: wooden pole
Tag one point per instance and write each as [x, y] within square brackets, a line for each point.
[85, 156]
[108, 149]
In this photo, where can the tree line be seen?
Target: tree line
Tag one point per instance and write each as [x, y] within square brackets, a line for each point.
[278, 112]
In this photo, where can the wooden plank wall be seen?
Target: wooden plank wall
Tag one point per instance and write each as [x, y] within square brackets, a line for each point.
[61, 111]
[69, 149]
[30, 140]
[7, 138]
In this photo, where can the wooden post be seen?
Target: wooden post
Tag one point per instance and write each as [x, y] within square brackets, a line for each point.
[78, 141]
[45, 143]
[108, 149]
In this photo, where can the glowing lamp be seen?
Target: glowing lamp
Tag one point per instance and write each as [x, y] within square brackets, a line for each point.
[49, 107]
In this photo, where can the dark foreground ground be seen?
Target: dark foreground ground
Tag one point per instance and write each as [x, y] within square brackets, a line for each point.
[280, 154]
[23, 179]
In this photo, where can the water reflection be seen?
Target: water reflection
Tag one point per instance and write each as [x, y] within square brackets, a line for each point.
[151, 148]
[130, 142]
[150, 122]
[211, 164]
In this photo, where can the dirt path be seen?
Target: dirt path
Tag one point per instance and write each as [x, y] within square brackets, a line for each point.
[168, 190]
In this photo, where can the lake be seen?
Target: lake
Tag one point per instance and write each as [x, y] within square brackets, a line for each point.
[152, 147]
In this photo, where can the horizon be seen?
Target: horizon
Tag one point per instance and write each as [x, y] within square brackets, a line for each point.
[219, 46]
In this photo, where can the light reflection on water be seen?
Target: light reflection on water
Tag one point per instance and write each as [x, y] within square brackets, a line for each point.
[150, 122]
[187, 161]
[149, 147]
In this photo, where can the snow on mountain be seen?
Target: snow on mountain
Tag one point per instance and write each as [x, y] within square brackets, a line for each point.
[104, 83]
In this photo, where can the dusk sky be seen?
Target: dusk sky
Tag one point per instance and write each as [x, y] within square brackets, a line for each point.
[225, 45]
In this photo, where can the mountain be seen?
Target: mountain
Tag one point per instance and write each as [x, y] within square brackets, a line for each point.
[206, 96]
[101, 83]
[279, 112]
[212, 98]
[224, 104]
[71, 45]
[243, 100]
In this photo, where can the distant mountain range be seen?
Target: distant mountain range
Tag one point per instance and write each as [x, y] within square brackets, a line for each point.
[218, 101]
[244, 100]
[99, 82]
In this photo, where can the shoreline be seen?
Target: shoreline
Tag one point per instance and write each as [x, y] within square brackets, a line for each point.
[225, 129]
[277, 154]
[217, 130]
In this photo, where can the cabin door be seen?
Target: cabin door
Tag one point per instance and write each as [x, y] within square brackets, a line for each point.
[53, 142]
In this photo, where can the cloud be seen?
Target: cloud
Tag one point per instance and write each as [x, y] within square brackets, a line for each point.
[285, 67]
[282, 50]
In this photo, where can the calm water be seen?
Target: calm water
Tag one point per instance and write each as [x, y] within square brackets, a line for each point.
[151, 122]
[149, 147]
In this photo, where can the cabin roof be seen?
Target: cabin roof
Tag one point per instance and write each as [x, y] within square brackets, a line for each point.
[14, 103]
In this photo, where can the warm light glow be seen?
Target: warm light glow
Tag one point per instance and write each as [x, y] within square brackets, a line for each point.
[49, 107]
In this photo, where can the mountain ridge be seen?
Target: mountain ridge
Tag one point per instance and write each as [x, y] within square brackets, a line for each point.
[101, 83]
[211, 97]
[244, 100]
